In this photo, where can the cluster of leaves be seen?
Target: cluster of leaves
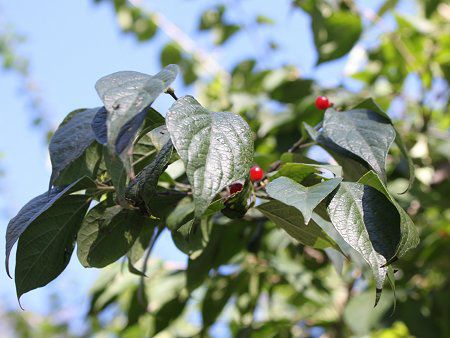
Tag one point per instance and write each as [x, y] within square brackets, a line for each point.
[244, 267]
[96, 152]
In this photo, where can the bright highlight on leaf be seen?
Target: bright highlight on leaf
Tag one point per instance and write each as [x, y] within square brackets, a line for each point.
[216, 148]
[126, 95]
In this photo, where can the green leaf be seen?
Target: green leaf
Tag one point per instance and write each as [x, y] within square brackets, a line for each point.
[360, 133]
[143, 188]
[216, 148]
[299, 171]
[217, 295]
[141, 244]
[183, 213]
[117, 172]
[367, 221]
[159, 137]
[45, 247]
[223, 244]
[328, 30]
[98, 126]
[125, 96]
[292, 91]
[70, 141]
[370, 104]
[107, 234]
[33, 209]
[291, 220]
[409, 237]
[305, 199]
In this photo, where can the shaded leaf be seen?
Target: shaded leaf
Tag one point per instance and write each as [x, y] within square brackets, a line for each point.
[33, 209]
[367, 221]
[141, 244]
[45, 247]
[107, 234]
[216, 148]
[144, 185]
[291, 220]
[409, 237]
[73, 136]
[98, 126]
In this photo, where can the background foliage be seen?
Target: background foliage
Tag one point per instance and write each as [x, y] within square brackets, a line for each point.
[285, 289]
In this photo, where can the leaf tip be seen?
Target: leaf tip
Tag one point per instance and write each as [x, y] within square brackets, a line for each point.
[377, 296]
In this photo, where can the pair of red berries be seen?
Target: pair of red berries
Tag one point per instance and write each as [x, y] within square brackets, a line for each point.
[256, 174]
[323, 103]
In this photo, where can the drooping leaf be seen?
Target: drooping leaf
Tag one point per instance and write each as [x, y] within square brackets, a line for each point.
[305, 199]
[144, 186]
[140, 245]
[362, 133]
[107, 234]
[45, 247]
[125, 96]
[409, 237]
[291, 220]
[370, 104]
[98, 126]
[73, 136]
[33, 209]
[216, 148]
[369, 222]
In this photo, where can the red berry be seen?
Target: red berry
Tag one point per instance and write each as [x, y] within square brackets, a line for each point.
[256, 173]
[322, 102]
[235, 187]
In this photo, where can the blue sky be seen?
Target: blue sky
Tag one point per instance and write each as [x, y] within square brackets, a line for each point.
[73, 43]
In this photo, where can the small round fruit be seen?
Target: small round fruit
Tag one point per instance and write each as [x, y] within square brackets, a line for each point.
[256, 173]
[235, 187]
[322, 102]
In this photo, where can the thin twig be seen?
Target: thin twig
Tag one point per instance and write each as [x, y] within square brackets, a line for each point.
[171, 92]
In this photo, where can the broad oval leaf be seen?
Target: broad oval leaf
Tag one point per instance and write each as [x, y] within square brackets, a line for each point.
[216, 148]
[125, 96]
[409, 237]
[73, 136]
[33, 209]
[107, 234]
[291, 220]
[361, 132]
[45, 247]
[371, 105]
[369, 223]
[305, 199]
